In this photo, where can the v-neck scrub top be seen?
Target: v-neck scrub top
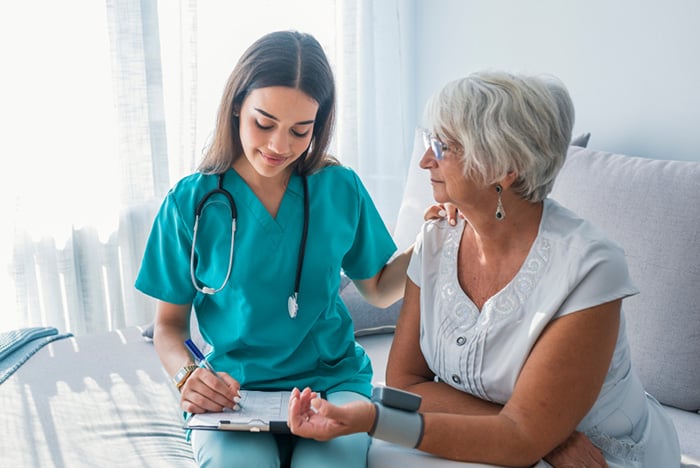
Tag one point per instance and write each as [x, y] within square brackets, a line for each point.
[253, 338]
[571, 266]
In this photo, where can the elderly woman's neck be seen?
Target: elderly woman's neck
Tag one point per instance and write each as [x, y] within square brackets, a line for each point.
[515, 232]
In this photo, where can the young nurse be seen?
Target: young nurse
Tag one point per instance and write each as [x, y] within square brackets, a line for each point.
[276, 220]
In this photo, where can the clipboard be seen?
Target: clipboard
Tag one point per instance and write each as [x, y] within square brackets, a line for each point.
[260, 411]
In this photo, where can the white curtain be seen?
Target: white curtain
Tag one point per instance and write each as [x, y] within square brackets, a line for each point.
[110, 103]
[376, 106]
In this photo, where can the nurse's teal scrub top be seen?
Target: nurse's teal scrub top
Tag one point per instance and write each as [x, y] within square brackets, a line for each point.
[247, 323]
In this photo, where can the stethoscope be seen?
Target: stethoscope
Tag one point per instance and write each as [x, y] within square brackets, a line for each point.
[292, 304]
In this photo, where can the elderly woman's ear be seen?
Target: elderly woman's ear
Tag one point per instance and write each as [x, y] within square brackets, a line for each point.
[508, 180]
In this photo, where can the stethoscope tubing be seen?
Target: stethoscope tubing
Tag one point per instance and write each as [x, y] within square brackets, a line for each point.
[207, 289]
[292, 303]
[304, 233]
[197, 213]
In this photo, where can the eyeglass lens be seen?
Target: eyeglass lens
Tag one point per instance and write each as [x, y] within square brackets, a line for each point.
[436, 145]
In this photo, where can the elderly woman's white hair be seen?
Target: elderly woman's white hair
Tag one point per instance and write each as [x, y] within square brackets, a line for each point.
[500, 122]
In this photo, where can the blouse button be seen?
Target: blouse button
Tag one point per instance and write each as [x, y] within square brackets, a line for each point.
[456, 379]
[461, 340]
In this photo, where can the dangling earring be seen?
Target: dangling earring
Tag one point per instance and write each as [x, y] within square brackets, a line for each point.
[500, 212]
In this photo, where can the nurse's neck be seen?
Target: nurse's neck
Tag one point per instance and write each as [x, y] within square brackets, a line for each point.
[268, 185]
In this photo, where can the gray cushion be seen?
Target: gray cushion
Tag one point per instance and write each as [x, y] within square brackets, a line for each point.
[688, 428]
[368, 319]
[652, 208]
[581, 140]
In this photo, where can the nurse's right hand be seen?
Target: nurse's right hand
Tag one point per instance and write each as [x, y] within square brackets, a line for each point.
[205, 392]
[442, 210]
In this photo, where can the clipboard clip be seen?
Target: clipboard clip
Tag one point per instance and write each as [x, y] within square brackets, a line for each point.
[254, 425]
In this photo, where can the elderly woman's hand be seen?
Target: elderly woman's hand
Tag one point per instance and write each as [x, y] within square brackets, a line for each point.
[442, 210]
[576, 451]
[313, 417]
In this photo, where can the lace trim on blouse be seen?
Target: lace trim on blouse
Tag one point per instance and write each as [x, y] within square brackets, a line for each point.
[461, 320]
[618, 448]
[507, 303]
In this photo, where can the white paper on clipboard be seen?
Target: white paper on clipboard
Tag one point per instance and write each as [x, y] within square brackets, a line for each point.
[261, 411]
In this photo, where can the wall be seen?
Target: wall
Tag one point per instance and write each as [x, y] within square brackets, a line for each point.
[632, 67]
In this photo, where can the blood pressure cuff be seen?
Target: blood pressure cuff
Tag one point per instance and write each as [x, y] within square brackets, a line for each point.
[397, 426]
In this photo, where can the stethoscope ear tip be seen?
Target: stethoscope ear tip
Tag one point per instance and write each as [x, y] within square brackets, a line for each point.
[208, 290]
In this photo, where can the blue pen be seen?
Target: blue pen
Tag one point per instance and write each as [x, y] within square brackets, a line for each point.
[202, 361]
[198, 356]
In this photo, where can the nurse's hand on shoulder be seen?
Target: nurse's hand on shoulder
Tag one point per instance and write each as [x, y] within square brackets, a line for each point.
[205, 392]
[315, 418]
[442, 210]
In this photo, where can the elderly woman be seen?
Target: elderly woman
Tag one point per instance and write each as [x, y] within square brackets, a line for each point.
[511, 328]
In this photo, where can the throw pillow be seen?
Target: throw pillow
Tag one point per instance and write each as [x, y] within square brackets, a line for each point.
[368, 319]
[581, 140]
[651, 207]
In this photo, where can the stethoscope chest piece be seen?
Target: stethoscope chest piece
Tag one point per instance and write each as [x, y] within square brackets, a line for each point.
[292, 305]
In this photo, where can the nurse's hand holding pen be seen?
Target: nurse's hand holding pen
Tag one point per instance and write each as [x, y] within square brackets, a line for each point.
[206, 390]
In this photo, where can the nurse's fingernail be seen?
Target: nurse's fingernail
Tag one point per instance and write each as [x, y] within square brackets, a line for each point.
[442, 213]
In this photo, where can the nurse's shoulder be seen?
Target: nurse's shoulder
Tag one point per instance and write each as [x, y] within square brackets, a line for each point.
[341, 181]
[186, 194]
[191, 188]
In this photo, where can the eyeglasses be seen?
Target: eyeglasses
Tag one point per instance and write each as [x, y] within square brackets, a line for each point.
[432, 142]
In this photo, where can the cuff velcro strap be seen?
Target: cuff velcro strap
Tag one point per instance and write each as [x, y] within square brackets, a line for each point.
[398, 426]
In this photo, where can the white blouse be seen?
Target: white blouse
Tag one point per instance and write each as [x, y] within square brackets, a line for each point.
[571, 266]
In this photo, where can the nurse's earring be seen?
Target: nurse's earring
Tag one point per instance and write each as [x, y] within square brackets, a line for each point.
[500, 212]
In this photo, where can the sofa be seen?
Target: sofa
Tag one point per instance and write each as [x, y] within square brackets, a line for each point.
[104, 400]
